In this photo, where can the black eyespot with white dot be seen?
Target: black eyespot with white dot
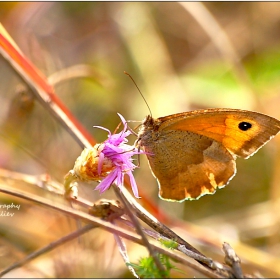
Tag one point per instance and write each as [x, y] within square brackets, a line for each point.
[244, 126]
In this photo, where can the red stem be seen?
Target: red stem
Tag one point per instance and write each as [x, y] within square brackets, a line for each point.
[44, 91]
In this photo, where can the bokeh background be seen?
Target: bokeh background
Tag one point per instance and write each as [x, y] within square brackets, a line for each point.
[182, 57]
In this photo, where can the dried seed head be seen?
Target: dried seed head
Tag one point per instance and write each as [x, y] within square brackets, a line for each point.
[92, 165]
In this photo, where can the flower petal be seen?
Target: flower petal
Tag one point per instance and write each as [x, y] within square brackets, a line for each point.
[106, 183]
[103, 128]
[133, 184]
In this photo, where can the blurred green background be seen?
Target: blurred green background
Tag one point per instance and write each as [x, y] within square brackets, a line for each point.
[183, 57]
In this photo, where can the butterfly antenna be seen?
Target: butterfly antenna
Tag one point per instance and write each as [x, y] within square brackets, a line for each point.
[139, 92]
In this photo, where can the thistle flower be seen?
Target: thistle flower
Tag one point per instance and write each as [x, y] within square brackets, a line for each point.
[109, 161]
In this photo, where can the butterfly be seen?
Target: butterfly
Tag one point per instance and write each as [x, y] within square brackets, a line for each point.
[194, 153]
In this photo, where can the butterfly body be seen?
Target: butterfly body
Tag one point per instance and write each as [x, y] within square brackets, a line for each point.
[193, 153]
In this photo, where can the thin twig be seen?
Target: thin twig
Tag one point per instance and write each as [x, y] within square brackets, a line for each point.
[70, 211]
[157, 236]
[139, 230]
[146, 217]
[48, 248]
[123, 252]
[232, 260]
[167, 232]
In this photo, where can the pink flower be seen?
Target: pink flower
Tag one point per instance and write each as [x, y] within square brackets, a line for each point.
[109, 161]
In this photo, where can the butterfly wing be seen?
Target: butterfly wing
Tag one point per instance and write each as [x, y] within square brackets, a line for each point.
[241, 132]
[188, 165]
[192, 154]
